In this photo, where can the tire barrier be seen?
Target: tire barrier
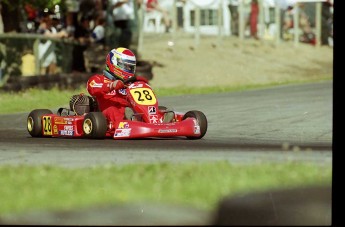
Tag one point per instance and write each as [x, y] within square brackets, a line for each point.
[64, 80]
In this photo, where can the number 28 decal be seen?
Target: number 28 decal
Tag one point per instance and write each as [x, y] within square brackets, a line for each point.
[47, 125]
[143, 96]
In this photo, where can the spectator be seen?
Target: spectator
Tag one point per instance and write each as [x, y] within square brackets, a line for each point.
[308, 35]
[286, 19]
[31, 14]
[234, 22]
[327, 23]
[46, 52]
[82, 35]
[253, 19]
[152, 5]
[98, 33]
[123, 14]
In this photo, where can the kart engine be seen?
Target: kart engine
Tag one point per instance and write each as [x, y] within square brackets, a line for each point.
[81, 104]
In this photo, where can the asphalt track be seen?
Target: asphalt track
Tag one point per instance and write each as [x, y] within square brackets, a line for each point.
[279, 124]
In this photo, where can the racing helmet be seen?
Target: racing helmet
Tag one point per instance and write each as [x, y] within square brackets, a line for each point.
[120, 64]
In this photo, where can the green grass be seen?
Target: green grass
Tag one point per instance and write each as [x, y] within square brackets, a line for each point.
[25, 101]
[199, 185]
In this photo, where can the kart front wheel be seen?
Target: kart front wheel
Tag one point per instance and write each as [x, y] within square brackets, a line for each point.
[95, 125]
[201, 119]
[34, 122]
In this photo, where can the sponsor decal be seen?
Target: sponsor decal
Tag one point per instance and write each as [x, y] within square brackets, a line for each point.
[63, 120]
[165, 124]
[123, 91]
[68, 127]
[135, 86]
[122, 132]
[153, 119]
[143, 96]
[167, 130]
[59, 120]
[55, 129]
[152, 110]
[123, 125]
[47, 125]
[94, 84]
[197, 129]
[66, 132]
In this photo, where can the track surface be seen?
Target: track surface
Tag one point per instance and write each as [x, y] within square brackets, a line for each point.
[278, 124]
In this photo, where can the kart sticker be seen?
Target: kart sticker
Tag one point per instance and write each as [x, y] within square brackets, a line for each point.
[47, 125]
[126, 132]
[60, 120]
[197, 129]
[55, 129]
[94, 84]
[143, 96]
[153, 119]
[167, 130]
[68, 127]
[66, 132]
[135, 86]
[123, 125]
[152, 110]
[123, 92]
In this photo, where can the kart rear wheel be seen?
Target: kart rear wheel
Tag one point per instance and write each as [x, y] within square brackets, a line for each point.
[34, 122]
[95, 125]
[201, 119]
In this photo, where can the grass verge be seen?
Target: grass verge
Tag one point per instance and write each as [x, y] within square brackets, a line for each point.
[200, 185]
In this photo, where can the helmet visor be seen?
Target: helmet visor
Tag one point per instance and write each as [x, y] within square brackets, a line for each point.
[127, 66]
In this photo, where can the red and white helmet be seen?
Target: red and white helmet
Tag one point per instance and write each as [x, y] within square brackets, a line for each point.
[120, 64]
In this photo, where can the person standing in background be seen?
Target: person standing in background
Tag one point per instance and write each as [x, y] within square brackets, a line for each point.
[46, 48]
[82, 35]
[253, 19]
[234, 23]
[123, 14]
[98, 32]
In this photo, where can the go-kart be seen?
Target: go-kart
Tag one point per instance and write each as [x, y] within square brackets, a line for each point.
[146, 118]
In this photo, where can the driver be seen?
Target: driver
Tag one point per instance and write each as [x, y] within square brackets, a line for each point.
[108, 88]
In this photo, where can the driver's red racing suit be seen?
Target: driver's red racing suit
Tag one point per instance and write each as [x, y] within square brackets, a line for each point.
[112, 103]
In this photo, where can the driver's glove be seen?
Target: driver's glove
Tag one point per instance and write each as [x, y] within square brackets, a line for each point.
[116, 85]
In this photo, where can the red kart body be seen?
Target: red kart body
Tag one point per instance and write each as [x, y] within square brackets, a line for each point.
[148, 120]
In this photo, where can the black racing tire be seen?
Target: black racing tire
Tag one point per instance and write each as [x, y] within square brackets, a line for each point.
[95, 125]
[201, 119]
[34, 122]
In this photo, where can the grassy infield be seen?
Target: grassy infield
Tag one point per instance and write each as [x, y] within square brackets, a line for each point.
[25, 188]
